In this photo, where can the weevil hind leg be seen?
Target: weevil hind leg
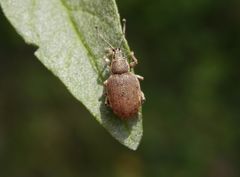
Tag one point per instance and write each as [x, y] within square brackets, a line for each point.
[106, 102]
[143, 99]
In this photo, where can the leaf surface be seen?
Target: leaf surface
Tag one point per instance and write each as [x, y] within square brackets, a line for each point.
[68, 45]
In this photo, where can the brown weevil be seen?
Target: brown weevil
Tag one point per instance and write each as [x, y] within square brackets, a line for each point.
[123, 91]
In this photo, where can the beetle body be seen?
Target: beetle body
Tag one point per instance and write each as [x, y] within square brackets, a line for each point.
[123, 92]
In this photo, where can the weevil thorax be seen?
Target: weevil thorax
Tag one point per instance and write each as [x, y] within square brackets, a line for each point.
[119, 64]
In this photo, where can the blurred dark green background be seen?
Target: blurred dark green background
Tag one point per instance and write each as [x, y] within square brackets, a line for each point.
[189, 54]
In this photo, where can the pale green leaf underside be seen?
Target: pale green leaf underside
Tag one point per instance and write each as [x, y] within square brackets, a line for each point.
[68, 45]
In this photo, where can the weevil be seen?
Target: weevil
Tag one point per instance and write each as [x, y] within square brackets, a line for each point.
[122, 88]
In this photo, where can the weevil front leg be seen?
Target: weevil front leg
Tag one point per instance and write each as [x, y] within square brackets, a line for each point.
[107, 61]
[134, 60]
[109, 52]
[108, 57]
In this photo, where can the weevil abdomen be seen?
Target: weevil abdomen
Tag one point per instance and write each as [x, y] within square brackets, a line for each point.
[124, 94]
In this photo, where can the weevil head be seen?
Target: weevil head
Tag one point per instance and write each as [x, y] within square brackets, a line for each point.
[119, 64]
[117, 53]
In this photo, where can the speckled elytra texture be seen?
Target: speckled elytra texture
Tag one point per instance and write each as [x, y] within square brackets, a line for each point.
[124, 94]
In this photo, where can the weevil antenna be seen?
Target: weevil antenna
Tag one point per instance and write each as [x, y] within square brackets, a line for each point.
[123, 31]
[100, 35]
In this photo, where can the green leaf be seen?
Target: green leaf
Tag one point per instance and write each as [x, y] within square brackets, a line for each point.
[68, 45]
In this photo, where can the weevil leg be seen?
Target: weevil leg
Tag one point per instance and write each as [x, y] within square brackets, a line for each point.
[134, 60]
[108, 51]
[107, 61]
[106, 102]
[143, 99]
[139, 77]
[109, 54]
[105, 83]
